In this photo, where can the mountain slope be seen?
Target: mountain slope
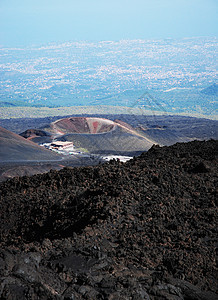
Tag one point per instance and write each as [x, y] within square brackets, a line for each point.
[212, 90]
[15, 148]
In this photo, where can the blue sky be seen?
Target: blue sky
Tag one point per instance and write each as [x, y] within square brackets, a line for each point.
[31, 22]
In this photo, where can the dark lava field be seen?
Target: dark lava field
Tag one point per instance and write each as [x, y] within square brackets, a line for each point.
[144, 229]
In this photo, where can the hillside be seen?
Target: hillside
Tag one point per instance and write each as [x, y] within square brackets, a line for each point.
[20, 156]
[144, 229]
[14, 148]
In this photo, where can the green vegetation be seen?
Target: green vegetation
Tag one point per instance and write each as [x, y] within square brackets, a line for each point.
[33, 112]
[41, 112]
[84, 150]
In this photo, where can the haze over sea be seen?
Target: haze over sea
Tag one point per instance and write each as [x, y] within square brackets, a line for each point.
[158, 56]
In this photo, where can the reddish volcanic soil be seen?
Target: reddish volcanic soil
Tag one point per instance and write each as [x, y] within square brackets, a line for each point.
[83, 125]
[144, 229]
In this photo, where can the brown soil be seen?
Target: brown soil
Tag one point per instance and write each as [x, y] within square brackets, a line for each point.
[146, 229]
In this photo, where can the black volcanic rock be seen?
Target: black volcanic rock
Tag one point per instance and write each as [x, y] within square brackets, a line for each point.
[145, 229]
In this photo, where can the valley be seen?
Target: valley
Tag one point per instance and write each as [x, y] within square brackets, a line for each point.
[128, 135]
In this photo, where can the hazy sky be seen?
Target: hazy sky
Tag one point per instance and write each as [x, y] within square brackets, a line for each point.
[28, 22]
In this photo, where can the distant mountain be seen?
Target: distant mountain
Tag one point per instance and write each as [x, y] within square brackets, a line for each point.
[212, 90]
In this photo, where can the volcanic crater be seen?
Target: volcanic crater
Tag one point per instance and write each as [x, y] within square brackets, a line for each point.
[100, 135]
[83, 125]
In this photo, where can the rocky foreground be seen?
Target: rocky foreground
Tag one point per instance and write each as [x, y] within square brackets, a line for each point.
[144, 229]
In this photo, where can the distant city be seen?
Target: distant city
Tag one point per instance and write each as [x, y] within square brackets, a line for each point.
[169, 75]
